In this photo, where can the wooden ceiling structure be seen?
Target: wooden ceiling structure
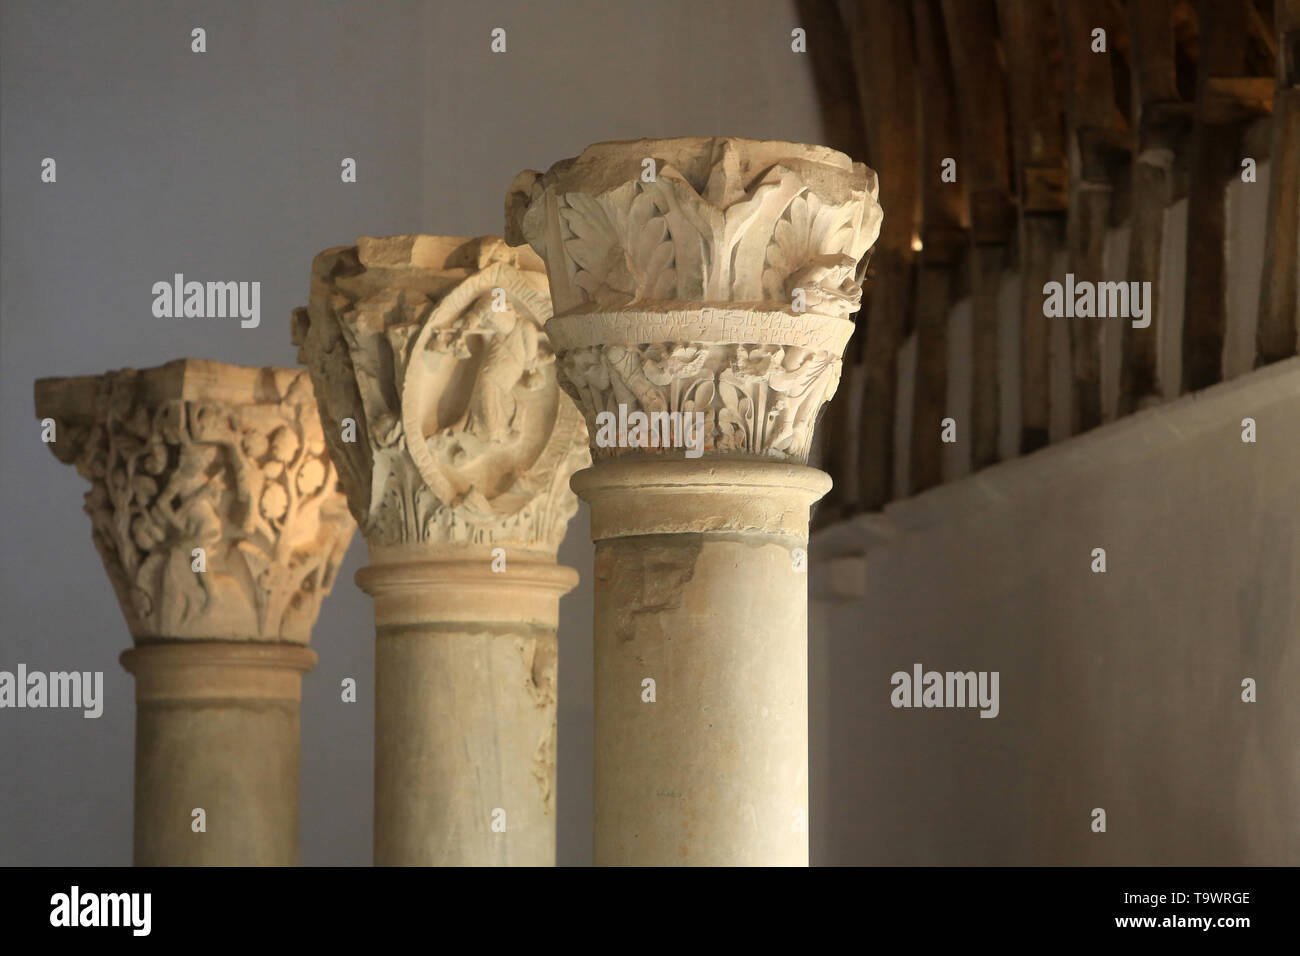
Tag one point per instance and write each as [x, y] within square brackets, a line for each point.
[1054, 142]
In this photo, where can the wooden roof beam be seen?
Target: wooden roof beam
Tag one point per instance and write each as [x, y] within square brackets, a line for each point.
[943, 238]
[1162, 120]
[831, 58]
[1275, 336]
[1037, 110]
[981, 89]
[1215, 158]
[1095, 127]
[881, 38]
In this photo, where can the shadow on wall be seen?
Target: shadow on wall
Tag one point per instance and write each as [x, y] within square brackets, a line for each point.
[1120, 690]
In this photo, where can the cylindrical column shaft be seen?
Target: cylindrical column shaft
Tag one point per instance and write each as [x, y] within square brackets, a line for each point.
[219, 520]
[702, 292]
[707, 765]
[438, 390]
[465, 711]
[216, 761]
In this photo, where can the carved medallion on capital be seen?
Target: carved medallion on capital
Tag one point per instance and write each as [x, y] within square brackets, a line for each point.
[711, 276]
[438, 391]
[213, 503]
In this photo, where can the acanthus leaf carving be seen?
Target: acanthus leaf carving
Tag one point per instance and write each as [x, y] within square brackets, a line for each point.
[721, 285]
[724, 221]
[757, 400]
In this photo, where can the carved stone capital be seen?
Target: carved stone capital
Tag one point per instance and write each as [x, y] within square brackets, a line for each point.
[213, 504]
[438, 392]
[720, 221]
[709, 276]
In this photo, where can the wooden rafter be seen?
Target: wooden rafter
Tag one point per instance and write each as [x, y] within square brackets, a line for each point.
[1215, 158]
[881, 36]
[943, 237]
[831, 58]
[1037, 110]
[1095, 130]
[1275, 336]
[1161, 122]
[982, 98]
[1053, 142]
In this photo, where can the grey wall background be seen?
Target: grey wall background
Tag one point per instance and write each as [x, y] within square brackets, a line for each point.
[225, 165]
[1117, 690]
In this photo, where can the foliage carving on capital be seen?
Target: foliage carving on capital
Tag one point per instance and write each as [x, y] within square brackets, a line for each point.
[716, 221]
[751, 400]
[213, 503]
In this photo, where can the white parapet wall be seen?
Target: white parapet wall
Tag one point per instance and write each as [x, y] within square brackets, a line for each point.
[1118, 690]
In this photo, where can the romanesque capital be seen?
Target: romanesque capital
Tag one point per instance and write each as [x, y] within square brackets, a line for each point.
[213, 503]
[709, 276]
[438, 394]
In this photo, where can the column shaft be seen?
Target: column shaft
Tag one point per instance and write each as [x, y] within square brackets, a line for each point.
[703, 289]
[465, 711]
[217, 730]
[700, 587]
[217, 514]
[439, 394]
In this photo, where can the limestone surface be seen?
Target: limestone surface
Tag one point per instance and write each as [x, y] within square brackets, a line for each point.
[213, 502]
[438, 391]
[439, 398]
[709, 275]
[711, 279]
[217, 513]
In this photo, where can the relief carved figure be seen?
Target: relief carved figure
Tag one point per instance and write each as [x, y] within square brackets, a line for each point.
[434, 348]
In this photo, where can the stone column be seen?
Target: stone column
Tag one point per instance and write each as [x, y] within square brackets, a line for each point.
[709, 281]
[217, 515]
[438, 395]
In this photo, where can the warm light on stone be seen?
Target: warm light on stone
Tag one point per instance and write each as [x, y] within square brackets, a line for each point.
[215, 509]
[710, 277]
[431, 350]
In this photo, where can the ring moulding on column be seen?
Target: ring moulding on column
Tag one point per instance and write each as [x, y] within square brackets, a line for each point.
[216, 512]
[433, 349]
[724, 286]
